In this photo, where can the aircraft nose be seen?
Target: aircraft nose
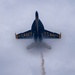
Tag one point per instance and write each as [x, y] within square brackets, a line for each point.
[36, 13]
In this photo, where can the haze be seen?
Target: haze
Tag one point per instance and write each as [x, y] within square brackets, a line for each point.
[17, 16]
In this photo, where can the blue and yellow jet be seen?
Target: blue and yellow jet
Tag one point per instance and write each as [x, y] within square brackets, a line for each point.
[37, 31]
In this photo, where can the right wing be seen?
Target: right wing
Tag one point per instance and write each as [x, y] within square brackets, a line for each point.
[25, 35]
[49, 34]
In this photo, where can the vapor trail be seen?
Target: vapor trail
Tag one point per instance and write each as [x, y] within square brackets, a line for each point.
[42, 64]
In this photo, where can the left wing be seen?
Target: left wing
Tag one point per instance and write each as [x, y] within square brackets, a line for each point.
[49, 34]
[25, 35]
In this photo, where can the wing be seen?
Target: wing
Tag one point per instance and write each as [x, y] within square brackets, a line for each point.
[25, 35]
[49, 34]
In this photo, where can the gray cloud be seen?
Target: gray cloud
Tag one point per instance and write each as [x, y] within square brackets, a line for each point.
[17, 16]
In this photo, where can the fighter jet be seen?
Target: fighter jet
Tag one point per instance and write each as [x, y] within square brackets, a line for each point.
[38, 33]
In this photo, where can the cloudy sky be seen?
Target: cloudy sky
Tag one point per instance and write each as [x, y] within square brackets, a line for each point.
[17, 16]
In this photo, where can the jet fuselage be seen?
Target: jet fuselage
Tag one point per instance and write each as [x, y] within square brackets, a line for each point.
[37, 28]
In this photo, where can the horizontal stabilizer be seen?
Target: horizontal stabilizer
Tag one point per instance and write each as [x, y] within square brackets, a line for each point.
[38, 45]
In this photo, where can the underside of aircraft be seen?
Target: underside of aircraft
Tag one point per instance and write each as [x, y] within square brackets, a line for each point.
[38, 33]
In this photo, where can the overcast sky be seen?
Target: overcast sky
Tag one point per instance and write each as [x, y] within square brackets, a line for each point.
[17, 16]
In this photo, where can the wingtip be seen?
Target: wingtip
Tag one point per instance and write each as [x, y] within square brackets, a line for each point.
[60, 35]
[16, 36]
